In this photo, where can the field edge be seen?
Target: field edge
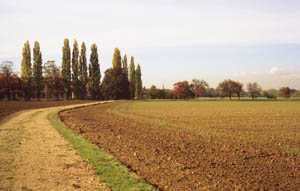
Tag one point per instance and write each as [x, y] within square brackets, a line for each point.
[107, 168]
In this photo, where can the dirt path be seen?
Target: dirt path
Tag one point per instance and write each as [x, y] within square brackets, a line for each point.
[45, 160]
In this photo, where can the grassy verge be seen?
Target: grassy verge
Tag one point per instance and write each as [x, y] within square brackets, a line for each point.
[109, 169]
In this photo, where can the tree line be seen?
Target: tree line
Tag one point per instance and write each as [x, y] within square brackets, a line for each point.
[75, 79]
[227, 88]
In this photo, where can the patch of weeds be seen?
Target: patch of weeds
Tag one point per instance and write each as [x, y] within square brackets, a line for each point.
[290, 149]
[25, 188]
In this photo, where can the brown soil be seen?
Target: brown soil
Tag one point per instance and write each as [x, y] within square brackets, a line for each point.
[10, 107]
[44, 160]
[180, 160]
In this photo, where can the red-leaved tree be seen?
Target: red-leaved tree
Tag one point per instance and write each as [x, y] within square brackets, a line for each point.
[10, 83]
[181, 89]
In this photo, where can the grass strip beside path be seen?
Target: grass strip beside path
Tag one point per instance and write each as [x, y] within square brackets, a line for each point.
[109, 169]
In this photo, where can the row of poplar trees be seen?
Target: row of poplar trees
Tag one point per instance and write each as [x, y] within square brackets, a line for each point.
[82, 81]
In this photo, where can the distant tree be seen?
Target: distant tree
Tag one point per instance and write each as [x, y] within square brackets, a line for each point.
[37, 70]
[144, 92]
[138, 82]
[182, 90]
[296, 93]
[75, 70]
[66, 68]
[199, 87]
[169, 94]
[210, 92]
[94, 73]
[153, 93]
[227, 88]
[293, 92]
[54, 86]
[253, 89]
[83, 74]
[125, 80]
[132, 78]
[273, 92]
[285, 92]
[10, 83]
[238, 88]
[26, 71]
[268, 95]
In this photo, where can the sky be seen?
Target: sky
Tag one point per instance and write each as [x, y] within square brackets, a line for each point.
[172, 40]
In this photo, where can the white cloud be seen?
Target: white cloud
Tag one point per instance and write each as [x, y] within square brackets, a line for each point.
[285, 74]
[277, 71]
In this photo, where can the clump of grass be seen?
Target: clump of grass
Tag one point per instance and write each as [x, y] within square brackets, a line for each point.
[291, 149]
[110, 170]
[25, 188]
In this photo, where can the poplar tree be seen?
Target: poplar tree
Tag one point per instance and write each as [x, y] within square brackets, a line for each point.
[138, 82]
[66, 68]
[37, 70]
[83, 75]
[94, 73]
[125, 66]
[117, 60]
[124, 79]
[132, 78]
[117, 74]
[75, 65]
[26, 71]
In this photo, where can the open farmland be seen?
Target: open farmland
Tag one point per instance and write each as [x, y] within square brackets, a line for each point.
[179, 145]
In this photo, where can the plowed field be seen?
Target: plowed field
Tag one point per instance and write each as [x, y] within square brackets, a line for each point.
[190, 146]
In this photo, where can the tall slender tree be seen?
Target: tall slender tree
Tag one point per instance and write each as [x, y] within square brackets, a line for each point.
[83, 75]
[94, 71]
[26, 71]
[125, 66]
[124, 77]
[132, 78]
[138, 82]
[117, 60]
[117, 74]
[37, 70]
[75, 73]
[66, 68]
